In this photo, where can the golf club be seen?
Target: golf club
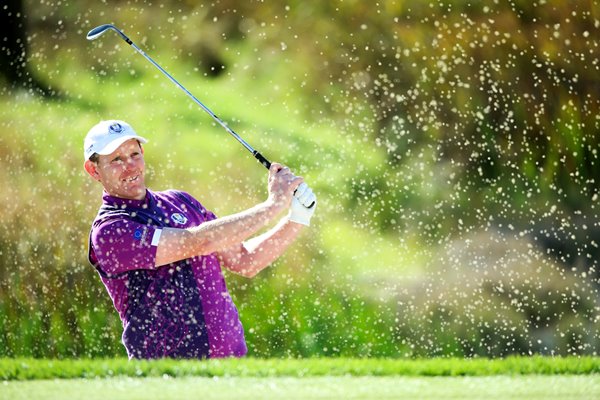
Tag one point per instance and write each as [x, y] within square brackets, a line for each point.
[99, 30]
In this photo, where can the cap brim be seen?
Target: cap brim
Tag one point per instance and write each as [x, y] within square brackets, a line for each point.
[112, 146]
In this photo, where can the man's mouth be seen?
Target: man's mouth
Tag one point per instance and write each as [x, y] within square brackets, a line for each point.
[131, 179]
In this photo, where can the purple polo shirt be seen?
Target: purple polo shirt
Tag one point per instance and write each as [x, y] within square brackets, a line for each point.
[179, 310]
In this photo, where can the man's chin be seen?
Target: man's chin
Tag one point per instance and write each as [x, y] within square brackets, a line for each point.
[139, 194]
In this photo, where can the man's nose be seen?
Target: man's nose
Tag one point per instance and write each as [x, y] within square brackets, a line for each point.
[130, 161]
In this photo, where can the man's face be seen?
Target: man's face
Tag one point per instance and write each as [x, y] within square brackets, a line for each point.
[121, 172]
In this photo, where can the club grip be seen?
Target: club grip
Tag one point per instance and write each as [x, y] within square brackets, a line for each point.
[261, 159]
[267, 165]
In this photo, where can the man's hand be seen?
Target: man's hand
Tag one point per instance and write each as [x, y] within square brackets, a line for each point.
[282, 183]
[304, 203]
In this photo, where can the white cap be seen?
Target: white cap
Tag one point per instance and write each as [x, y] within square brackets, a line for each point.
[106, 136]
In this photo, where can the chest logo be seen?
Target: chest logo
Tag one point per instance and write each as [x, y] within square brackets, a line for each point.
[179, 218]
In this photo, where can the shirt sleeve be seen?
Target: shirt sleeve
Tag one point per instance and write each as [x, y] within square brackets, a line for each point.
[123, 245]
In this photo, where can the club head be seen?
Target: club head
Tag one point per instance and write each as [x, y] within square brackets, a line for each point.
[97, 31]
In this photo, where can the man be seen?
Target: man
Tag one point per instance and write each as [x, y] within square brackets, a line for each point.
[159, 254]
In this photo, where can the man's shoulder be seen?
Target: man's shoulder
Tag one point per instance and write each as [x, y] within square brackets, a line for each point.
[109, 217]
[173, 194]
[178, 196]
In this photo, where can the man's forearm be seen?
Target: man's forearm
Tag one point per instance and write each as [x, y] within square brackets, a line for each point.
[259, 252]
[215, 235]
[224, 232]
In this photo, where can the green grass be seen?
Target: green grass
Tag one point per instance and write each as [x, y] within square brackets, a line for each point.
[318, 378]
[346, 387]
[36, 369]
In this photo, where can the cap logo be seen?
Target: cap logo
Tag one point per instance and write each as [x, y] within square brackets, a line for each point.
[115, 128]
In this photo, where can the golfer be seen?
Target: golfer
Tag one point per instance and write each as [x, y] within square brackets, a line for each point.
[160, 254]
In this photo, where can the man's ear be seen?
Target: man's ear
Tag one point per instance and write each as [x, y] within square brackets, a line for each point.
[92, 169]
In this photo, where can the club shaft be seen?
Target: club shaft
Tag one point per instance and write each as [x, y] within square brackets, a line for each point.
[205, 108]
[254, 152]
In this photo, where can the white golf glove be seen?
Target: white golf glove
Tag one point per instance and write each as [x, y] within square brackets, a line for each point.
[304, 204]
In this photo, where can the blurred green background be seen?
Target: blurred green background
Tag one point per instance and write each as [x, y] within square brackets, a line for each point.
[453, 147]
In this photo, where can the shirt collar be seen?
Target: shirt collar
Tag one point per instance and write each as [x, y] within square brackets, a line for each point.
[120, 202]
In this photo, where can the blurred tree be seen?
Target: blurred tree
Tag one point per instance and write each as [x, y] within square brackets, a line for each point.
[13, 53]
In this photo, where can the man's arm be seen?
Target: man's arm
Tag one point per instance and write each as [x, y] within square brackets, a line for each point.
[221, 233]
[225, 232]
[252, 256]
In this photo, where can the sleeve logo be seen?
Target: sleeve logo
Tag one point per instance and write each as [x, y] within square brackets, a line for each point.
[140, 234]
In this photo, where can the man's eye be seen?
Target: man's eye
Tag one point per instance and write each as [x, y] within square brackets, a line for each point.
[116, 160]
